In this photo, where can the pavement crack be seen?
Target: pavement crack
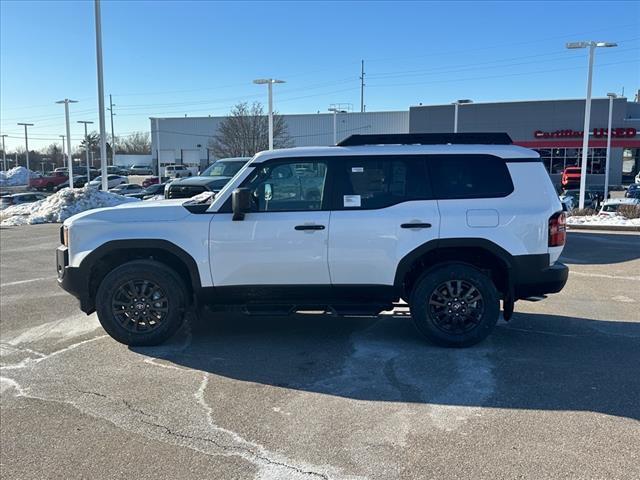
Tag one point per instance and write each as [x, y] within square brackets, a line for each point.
[124, 401]
[236, 450]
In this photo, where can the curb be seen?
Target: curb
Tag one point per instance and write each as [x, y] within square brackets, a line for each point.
[611, 228]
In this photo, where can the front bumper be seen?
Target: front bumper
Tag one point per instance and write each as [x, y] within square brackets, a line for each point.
[73, 280]
[535, 279]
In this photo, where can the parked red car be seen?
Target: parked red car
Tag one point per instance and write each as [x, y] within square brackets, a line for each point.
[48, 182]
[570, 177]
[152, 181]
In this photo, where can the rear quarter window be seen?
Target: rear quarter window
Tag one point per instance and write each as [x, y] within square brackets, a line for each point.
[469, 176]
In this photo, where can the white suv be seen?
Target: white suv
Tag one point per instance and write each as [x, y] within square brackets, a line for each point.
[177, 171]
[451, 223]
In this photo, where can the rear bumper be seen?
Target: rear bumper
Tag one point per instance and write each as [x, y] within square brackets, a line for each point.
[533, 276]
[73, 280]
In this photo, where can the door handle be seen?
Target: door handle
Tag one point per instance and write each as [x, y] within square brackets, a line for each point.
[309, 227]
[415, 225]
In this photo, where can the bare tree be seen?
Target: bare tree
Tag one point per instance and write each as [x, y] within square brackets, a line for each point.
[246, 131]
[54, 153]
[135, 143]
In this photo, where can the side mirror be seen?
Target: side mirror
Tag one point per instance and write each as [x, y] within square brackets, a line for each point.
[240, 203]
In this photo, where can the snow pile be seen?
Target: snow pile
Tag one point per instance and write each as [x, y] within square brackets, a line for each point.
[604, 220]
[60, 206]
[15, 176]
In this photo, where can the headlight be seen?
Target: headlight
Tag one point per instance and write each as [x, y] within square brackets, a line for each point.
[65, 236]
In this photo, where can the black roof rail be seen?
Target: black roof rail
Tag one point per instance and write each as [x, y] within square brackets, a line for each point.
[467, 138]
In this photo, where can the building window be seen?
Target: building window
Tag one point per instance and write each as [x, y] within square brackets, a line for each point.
[555, 160]
[630, 164]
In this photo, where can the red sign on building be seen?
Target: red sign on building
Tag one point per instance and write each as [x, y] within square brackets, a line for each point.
[597, 132]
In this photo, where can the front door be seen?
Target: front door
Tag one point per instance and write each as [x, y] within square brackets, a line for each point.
[283, 241]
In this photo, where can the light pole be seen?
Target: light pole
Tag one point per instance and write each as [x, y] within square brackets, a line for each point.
[587, 110]
[66, 102]
[456, 105]
[103, 137]
[26, 146]
[113, 136]
[611, 96]
[336, 108]
[158, 146]
[4, 155]
[64, 160]
[269, 82]
[86, 146]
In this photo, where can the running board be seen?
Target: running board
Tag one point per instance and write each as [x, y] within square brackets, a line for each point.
[535, 298]
[348, 310]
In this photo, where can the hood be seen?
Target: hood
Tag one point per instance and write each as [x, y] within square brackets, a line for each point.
[202, 181]
[139, 212]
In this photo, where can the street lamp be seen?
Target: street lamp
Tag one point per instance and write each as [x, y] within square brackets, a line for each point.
[26, 146]
[103, 134]
[86, 148]
[336, 109]
[269, 82]
[587, 109]
[611, 96]
[4, 154]
[66, 102]
[64, 160]
[457, 104]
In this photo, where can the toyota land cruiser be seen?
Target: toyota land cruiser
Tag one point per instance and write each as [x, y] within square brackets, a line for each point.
[453, 224]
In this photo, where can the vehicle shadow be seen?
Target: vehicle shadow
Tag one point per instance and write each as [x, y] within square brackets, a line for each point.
[536, 362]
[587, 248]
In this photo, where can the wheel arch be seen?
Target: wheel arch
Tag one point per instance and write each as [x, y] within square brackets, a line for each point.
[117, 252]
[478, 252]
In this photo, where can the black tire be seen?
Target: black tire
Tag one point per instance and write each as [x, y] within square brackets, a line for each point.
[126, 327]
[451, 288]
[50, 187]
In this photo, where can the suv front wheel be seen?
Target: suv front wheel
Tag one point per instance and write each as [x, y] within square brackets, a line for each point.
[141, 303]
[455, 305]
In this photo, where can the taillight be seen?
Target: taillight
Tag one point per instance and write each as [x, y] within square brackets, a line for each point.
[557, 229]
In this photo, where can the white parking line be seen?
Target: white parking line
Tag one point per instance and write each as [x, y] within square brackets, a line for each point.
[20, 282]
[604, 275]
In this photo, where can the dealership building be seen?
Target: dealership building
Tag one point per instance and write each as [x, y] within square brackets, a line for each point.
[554, 128]
[187, 140]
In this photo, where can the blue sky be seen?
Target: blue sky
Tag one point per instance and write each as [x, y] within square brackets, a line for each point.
[169, 58]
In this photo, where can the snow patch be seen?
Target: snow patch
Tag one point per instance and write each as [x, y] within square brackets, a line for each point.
[62, 205]
[603, 220]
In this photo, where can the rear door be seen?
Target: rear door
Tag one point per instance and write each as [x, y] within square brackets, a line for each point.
[283, 241]
[383, 210]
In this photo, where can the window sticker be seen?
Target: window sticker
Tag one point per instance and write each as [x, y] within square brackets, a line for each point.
[351, 200]
[357, 169]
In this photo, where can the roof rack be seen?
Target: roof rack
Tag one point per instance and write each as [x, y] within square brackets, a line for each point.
[467, 138]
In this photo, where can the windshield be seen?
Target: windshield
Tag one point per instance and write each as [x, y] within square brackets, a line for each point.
[222, 169]
[611, 207]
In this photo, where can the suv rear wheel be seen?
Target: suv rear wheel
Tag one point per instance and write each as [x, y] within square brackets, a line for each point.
[141, 303]
[455, 305]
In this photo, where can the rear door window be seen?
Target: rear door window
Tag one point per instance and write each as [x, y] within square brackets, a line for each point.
[469, 176]
[372, 182]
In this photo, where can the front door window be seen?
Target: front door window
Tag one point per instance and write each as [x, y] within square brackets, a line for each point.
[292, 186]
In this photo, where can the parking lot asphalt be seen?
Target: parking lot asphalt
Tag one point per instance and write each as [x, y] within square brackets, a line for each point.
[554, 393]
